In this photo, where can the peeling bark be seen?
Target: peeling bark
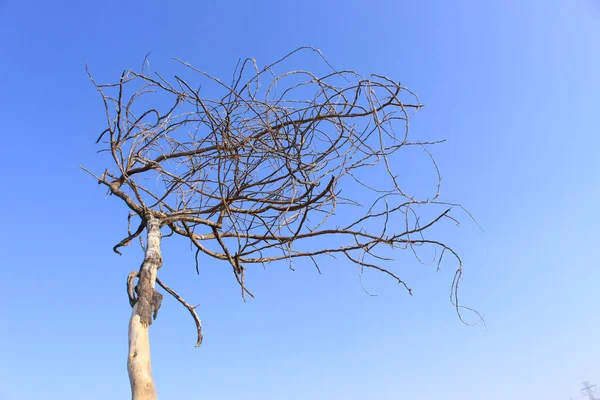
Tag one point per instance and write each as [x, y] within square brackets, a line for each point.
[142, 314]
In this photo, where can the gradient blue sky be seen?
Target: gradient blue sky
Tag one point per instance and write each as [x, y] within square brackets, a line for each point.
[514, 87]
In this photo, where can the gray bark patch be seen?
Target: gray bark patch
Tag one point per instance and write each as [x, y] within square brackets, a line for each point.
[148, 302]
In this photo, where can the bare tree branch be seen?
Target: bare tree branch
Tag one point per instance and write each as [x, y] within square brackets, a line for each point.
[191, 309]
[280, 164]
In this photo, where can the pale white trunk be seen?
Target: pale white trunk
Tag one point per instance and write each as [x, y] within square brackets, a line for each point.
[138, 360]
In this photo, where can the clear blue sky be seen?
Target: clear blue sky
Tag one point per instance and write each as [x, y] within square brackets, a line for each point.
[514, 87]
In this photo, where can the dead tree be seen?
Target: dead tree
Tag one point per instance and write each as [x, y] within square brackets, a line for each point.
[274, 166]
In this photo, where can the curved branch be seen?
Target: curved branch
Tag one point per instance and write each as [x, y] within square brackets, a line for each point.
[191, 309]
[128, 239]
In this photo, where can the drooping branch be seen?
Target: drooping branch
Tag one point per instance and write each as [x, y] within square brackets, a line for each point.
[190, 308]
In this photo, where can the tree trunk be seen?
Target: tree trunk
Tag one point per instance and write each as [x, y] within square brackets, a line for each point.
[145, 309]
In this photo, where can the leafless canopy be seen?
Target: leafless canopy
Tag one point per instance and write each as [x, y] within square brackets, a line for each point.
[275, 165]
